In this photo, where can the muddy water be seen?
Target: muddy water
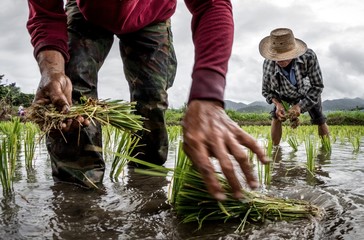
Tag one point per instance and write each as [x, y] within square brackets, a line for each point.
[137, 207]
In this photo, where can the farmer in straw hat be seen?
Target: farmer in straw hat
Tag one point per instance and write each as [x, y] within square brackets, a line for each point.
[291, 73]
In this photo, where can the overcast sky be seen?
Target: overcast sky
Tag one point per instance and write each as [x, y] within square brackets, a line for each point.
[334, 29]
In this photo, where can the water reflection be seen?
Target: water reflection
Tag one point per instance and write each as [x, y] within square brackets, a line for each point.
[9, 220]
[136, 209]
[137, 206]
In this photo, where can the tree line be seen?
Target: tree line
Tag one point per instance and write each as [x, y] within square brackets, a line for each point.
[11, 97]
[11, 94]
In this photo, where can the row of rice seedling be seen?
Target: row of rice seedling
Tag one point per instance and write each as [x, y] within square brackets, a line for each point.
[117, 141]
[14, 135]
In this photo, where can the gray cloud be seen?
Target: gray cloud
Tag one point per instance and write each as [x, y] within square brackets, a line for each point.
[334, 31]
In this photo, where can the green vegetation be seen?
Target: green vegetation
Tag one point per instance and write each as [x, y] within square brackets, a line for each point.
[174, 117]
[9, 149]
[10, 97]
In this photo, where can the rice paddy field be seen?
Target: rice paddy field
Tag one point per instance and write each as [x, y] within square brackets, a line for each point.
[326, 173]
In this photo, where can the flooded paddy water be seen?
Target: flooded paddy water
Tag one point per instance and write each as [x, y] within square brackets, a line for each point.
[136, 207]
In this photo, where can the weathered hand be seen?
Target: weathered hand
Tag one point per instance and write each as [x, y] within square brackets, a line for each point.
[209, 132]
[56, 88]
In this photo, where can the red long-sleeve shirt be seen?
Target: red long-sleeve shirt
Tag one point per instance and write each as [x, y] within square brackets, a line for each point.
[212, 30]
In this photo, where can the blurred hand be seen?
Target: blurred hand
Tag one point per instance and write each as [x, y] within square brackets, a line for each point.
[294, 112]
[209, 132]
[56, 88]
[280, 112]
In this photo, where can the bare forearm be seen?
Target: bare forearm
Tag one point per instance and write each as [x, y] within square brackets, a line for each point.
[50, 61]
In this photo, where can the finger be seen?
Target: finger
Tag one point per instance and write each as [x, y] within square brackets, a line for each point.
[66, 126]
[248, 141]
[201, 161]
[42, 101]
[220, 152]
[78, 122]
[65, 109]
[86, 122]
[61, 104]
[242, 158]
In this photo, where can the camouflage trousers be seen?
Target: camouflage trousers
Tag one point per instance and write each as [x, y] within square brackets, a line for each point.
[149, 66]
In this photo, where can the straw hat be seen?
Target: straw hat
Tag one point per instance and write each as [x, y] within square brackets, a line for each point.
[281, 45]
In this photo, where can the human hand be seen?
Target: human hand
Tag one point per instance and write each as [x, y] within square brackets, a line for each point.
[294, 112]
[280, 112]
[56, 88]
[209, 132]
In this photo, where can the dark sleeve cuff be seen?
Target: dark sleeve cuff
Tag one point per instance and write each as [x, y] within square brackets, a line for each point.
[207, 84]
[51, 46]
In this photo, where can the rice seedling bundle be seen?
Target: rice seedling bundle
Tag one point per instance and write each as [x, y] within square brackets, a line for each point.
[294, 121]
[193, 203]
[116, 113]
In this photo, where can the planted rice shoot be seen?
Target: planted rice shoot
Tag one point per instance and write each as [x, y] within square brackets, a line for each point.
[311, 153]
[174, 132]
[7, 169]
[326, 143]
[268, 168]
[355, 142]
[11, 134]
[293, 142]
[29, 142]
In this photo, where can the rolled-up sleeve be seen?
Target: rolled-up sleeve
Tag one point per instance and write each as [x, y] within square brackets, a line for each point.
[212, 30]
[47, 26]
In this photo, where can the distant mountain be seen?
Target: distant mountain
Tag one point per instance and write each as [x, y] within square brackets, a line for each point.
[234, 105]
[345, 104]
[258, 106]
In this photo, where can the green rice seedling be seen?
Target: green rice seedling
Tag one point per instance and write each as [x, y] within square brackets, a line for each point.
[126, 144]
[268, 168]
[110, 143]
[193, 203]
[11, 131]
[326, 143]
[7, 169]
[174, 132]
[355, 142]
[30, 140]
[293, 142]
[116, 113]
[311, 152]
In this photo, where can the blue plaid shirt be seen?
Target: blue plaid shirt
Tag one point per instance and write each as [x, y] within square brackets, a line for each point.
[309, 84]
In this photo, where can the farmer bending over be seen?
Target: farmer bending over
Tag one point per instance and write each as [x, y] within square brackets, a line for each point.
[291, 73]
[70, 46]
